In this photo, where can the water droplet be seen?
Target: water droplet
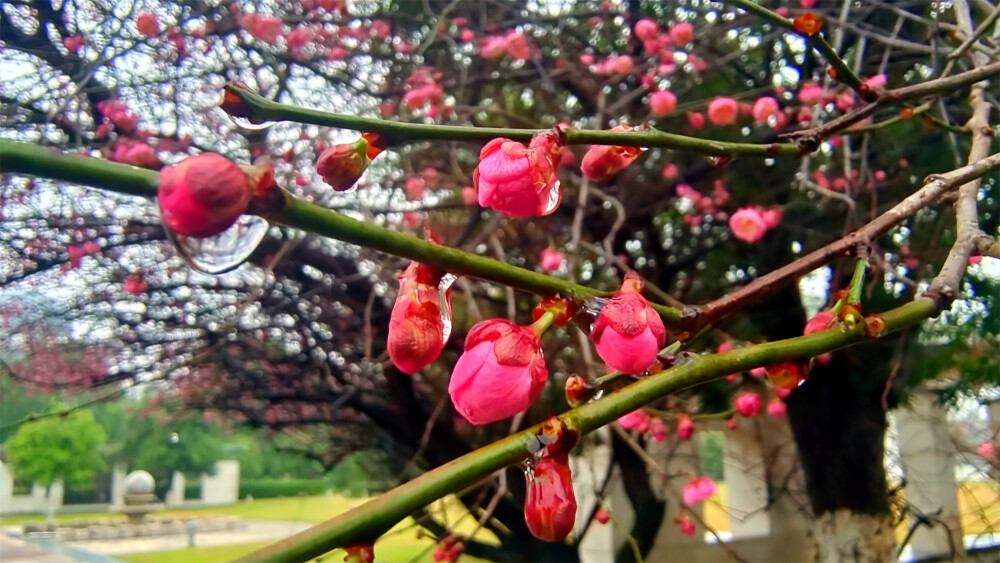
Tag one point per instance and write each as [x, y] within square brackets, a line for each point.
[246, 125]
[555, 196]
[223, 252]
[443, 286]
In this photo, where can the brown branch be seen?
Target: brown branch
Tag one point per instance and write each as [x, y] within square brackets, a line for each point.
[935, 187]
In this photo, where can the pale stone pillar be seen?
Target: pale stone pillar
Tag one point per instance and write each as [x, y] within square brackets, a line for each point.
[591, 472]
[745, 475]
[175, 495]
[927, 456]
[117, 493]
[6, 485]
[224, 486]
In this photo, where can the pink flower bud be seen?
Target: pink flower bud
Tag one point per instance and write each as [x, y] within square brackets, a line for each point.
[551, 259]
[696, 120]
[772, 217]
[73, 43]
[776, 407]
[341, 166]
[977, 259]
[844, 101]
[685, 524]
[685, 427]
[416, 327]
[682, 33]
[987, 451]
[501, 373]
[747, 404]
[658, 430]
[203, 195]
[148, 24]
[723, 111]
[516, 45]
[824, 320]
[810, 93]
[764, 108]
[493, 47]
[662, 103]
[877, 81]
[415, 187]
[467, 35]
[469, 196]
[880, 175]
[748, 225]
[697, 490]
[628, 332]
[134, 285]
[549, 503]
[602, 516]
[516, 180]
[635, 419]
[646, 29]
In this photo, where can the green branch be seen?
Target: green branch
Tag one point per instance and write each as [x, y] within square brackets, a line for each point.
[817, 41]
[24, 158]
[372, 519]
[397, 132]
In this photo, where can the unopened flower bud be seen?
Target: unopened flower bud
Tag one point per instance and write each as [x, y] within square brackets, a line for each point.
[550, 504]
[628, 332]
[202, 195]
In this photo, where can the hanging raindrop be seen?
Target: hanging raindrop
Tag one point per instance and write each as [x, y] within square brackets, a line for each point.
[245, 124]
[444, 285]
[225, 251]
[555, 196]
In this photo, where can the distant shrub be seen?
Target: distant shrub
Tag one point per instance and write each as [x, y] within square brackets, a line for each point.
[268, 488]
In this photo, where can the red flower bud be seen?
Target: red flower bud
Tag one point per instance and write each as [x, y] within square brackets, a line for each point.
[629, 333]
[550, 504]
[203, 195]
[787, 375]
[417, 326]
[603, 162]
[602, 516]
[824, 320]
[808, 24]
[342, 165]
[501, 373]
[576, 389]
[685, 427]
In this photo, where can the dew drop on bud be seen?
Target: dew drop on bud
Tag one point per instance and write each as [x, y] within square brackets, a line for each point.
[225, 251]
[444, 285]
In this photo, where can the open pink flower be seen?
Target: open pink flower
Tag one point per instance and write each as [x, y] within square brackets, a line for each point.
[682, 33]
[776, 407]
[516, 45]
[646, 29]
[764, 108]
[662, 103]
[747, 404]
[748, 225]
[202, 195]
[516, 180]
[723, 111]
[549, 503]
[551, 259]
[628, 332]
[501, 373]
[416, 327]
[698, 489]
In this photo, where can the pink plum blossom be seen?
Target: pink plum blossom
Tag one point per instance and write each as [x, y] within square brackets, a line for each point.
[637, 419]
[698, 490]
[501, 373]
[776, 407]
[747, 404]
[685, 427]
[551, 259]
[764, 108]
[662, 103]
[987, 451]
[723, 111]
[628, 332]
[148, 24]
[646, 29]
[682, 33]
[696, 120]
[202, 195]
[516, 180]
[748, 225]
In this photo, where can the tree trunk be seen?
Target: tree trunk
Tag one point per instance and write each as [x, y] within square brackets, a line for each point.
[843, 535]
[839, 424]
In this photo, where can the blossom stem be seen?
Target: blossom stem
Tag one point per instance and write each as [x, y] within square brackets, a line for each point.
[543, 323]
[857, 281]
[398, 132]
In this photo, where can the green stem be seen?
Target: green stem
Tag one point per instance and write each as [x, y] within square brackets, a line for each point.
[818, 42]
[398, 132]
[25, 158]
[857, 281]
[543, 323]
[375, 517]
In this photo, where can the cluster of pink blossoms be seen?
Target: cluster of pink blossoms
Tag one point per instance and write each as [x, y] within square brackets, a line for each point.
[698, 490]
[643, 423]
[750, 224]
[513, 43]
[424, 92]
